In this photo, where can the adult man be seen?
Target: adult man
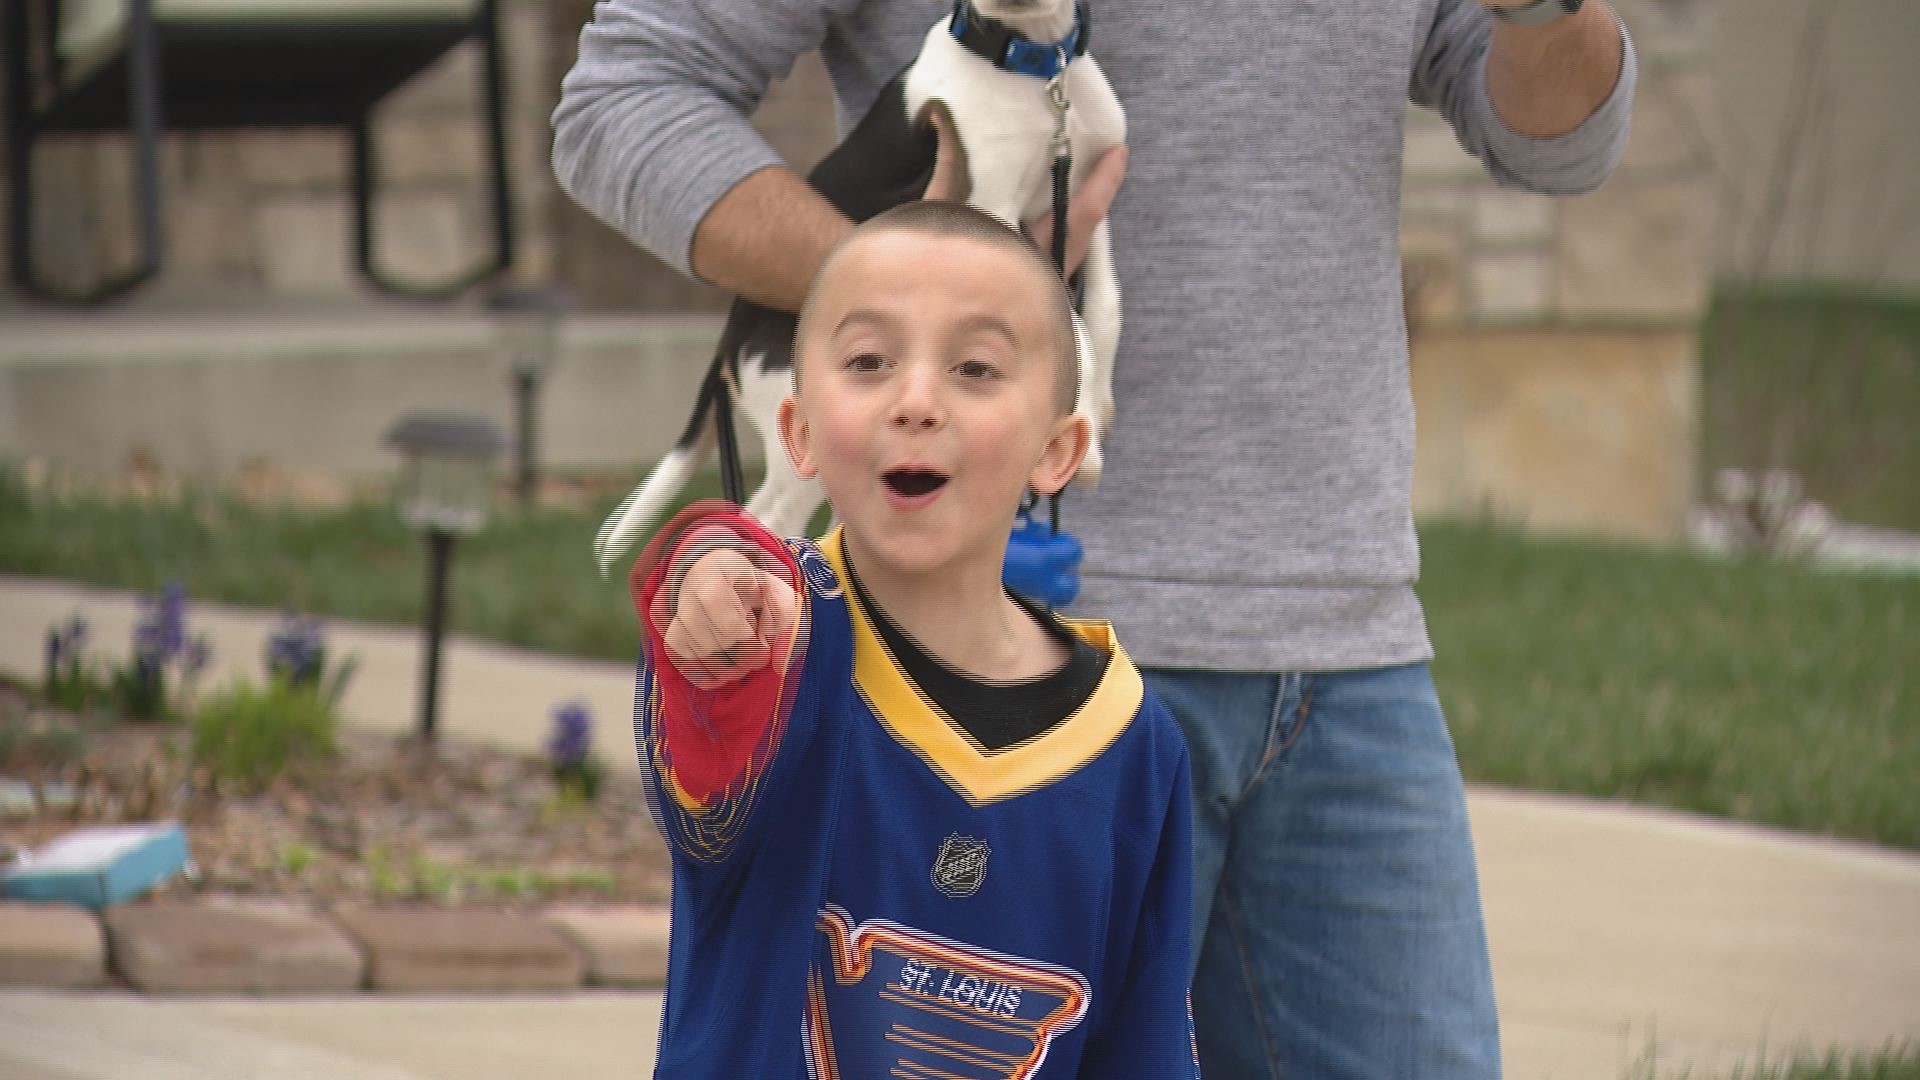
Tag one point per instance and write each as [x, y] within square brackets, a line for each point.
[1252, 539]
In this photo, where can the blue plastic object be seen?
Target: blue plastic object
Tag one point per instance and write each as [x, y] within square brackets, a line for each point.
[1041, 564]
[95, 867]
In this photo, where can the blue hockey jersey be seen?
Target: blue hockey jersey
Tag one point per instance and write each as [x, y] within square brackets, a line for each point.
[876, 896]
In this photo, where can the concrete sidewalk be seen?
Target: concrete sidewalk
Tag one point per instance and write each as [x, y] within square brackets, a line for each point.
[1614, 929]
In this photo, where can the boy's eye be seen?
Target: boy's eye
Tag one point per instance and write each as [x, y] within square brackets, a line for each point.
[866, 362]
[977, 369]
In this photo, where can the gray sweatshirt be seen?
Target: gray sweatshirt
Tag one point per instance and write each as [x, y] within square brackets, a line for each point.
[1255, 514]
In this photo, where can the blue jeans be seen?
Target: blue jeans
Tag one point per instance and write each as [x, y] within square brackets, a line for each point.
[1336, 903]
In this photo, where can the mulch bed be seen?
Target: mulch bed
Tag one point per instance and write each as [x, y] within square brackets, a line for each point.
[387, 821]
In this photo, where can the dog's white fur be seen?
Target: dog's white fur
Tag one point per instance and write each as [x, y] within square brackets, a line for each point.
[1005, 128]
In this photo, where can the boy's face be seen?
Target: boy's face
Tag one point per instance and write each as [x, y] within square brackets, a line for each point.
[927, 400]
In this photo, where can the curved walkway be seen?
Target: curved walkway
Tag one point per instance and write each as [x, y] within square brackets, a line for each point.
[1614, 929]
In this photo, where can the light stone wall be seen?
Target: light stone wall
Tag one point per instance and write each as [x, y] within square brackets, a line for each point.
[1587, 430]
[1554, 338]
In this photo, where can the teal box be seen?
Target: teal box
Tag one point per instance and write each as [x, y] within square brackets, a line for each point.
[98, 866]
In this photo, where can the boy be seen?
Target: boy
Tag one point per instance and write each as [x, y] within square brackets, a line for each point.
[920, 827]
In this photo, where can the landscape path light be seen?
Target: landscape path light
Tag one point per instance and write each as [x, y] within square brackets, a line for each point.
[527, 321]
[443, 492]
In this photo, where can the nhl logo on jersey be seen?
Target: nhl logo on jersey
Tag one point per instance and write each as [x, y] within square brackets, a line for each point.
[961, 867]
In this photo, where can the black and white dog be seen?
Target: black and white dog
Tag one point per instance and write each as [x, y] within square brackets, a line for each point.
[991, 65]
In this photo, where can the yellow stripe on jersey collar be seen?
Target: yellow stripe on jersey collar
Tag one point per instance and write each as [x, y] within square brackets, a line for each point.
[978, 775]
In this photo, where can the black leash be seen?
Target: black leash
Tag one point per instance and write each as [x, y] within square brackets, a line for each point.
[1062, 171]
[720, 387]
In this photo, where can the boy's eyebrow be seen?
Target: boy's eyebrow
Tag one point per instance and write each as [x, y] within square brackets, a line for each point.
[861, 315]
[993, 323]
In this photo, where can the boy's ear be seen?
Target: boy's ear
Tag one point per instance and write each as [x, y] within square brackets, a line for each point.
[797, 439]
[1072, 437]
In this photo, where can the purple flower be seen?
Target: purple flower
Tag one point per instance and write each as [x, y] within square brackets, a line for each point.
[162, 630]
[297, 650]
[572, 734]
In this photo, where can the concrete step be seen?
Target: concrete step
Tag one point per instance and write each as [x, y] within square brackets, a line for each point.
[228, 946]
[209, 395]
[427, 951]
[622, 947]
[231, 948]
[51, 946]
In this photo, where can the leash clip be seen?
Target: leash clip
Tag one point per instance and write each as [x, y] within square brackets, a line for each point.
[1057, 97]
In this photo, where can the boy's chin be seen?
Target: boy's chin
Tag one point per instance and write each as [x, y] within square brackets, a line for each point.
[920, 552]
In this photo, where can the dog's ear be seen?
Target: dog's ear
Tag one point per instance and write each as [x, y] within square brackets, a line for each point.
[952, 176]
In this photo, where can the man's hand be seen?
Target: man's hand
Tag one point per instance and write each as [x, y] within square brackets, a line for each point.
[953, 182]
[1546, 80]
[1086, 209]
[731, 619]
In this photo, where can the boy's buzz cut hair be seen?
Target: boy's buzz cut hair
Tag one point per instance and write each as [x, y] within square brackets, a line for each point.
[936, 218]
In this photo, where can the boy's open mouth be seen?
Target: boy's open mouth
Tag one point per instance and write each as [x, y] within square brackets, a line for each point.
[913, 483]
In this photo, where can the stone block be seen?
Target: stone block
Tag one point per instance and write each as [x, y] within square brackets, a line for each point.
[50, 947]
[1433, 204]
[432, 149]
[202, 242]
[425, 236]
[231, 948]
[1431, 257]
[1585, 430]
[450, 85]
[420, 950]
[303, 244]
[797, 114]
[295, 160]
[1434, 154]
[1636, 249]
[1510, 285]
[620, 946]
[1507, 219]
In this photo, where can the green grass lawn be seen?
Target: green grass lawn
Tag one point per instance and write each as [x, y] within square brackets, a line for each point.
[1766, 692]
[1761, 691]
[1892, 1063]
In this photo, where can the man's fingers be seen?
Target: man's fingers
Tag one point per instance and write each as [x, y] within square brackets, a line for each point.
[1097, 193]
[952, 181]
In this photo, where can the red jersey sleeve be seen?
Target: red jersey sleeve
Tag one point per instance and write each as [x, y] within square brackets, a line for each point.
[708, 749]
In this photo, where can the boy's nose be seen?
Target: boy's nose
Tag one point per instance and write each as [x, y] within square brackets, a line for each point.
[918, 405]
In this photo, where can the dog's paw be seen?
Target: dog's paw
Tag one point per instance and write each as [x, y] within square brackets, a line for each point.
[1091, 466]
[1103, 410]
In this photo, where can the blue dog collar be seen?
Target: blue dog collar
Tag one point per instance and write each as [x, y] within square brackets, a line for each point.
[1008, 51]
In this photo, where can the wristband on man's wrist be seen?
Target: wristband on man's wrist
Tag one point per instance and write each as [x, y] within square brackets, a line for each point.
[1537, 13]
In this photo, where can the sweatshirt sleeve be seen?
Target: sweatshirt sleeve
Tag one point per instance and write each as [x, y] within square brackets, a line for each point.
[1450, 75]
[652, 130]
